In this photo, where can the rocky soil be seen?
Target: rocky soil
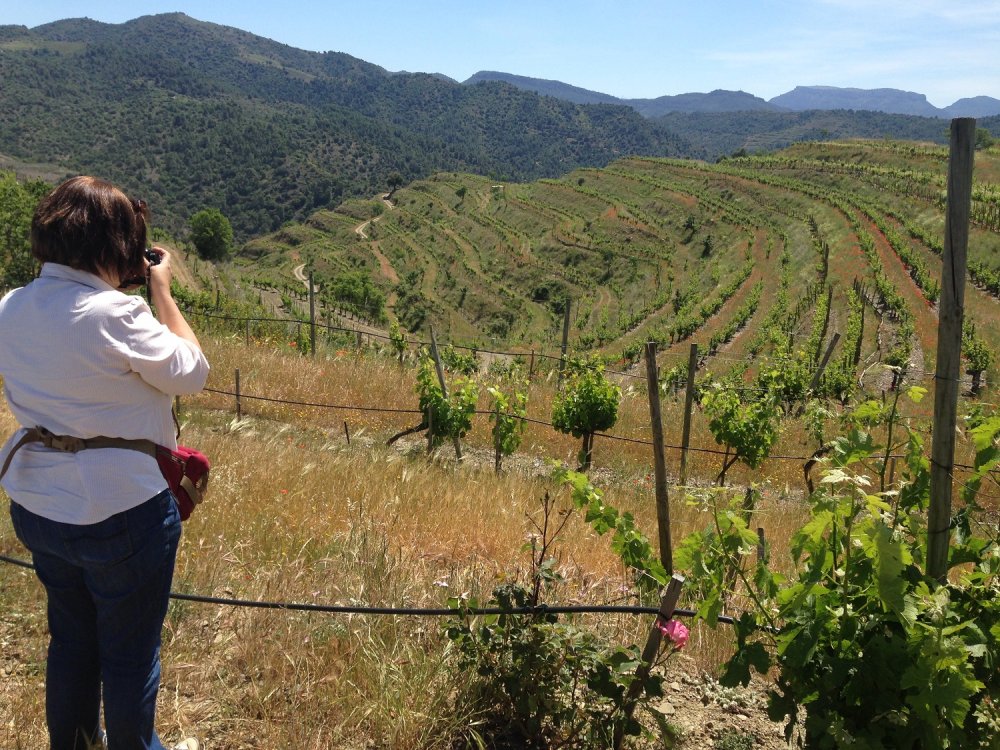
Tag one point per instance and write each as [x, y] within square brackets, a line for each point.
[708, 715]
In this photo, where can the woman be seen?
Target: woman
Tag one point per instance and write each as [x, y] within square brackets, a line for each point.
[81, 358]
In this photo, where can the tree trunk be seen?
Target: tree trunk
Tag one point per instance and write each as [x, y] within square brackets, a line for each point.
[977, 380]
[586, 454]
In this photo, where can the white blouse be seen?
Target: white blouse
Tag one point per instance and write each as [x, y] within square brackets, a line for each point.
[81, 358]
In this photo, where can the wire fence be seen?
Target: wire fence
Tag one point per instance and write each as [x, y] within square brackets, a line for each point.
[415, 343]
[352, 609]
[480, 412]
[436, 612]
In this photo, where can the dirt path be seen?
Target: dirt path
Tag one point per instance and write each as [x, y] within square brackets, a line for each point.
[386, 267]
[384, 264]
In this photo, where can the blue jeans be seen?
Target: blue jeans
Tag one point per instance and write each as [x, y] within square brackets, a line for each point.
[108, 586]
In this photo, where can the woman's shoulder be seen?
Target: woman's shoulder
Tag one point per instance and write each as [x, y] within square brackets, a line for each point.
[119, 304]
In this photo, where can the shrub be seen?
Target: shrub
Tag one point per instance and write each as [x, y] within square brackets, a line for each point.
[588, 404]
[537, 681]
[869, 649]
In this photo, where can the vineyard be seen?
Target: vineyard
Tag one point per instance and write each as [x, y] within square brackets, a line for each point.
[673, 251]
[794, 468]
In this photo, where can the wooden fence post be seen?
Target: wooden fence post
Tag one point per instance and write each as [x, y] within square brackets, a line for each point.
[312, 316]
[667, 606]
[565, 344]
[239, 406]
[688, 404]
[819, 371]
[659, 461]
[444, 386]
[946, 377]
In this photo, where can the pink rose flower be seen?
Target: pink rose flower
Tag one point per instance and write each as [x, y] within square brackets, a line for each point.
[675, 630]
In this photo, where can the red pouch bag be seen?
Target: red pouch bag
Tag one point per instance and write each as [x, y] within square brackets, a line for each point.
[186, 472]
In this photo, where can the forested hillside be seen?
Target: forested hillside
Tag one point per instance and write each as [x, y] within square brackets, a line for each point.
[191, 114]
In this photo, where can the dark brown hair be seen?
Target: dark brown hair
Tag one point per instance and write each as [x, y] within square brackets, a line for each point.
[91, 225]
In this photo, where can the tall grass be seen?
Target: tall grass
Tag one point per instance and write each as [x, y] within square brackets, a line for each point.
[297, 514]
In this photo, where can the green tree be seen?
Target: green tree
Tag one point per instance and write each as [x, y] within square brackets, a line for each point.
[690, 226]
[17, 206]
[707, 245]
[747, 427]
[395, 182]
[977, 354]
[510, 407]
[588, 404]
[212, 234]
[984, 139]
[450, 417]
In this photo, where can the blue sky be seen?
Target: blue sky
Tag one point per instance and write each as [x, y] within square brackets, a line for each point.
[629, 48]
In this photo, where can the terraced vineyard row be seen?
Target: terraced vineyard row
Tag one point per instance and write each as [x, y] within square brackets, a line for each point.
[788, 248]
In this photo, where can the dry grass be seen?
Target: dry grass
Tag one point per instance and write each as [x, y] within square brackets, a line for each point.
[297, 514]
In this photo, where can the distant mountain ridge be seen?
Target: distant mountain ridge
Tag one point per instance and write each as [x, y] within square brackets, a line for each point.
[891, 101]
[715, 101]
[190, 115]
[799, 99]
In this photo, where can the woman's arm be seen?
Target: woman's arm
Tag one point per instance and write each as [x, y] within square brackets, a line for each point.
[166, 308]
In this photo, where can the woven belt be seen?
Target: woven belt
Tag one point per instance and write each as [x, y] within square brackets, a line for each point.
[70, 444]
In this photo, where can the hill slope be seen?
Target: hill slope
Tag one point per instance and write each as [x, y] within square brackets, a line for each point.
[191, 114]
[658, 249]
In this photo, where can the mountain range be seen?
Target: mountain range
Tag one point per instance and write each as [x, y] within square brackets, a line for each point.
[189, 115]
[194, 114]
[799, 99]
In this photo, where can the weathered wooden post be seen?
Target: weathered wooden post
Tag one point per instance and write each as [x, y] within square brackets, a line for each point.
[688, 405]
[239, 406]
[668, 603]
[659, 461]
[950, 314]
[444, 388]
[312, 316]
[565, 343]
[819, 371]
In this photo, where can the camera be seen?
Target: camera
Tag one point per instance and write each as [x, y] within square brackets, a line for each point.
[154, 258]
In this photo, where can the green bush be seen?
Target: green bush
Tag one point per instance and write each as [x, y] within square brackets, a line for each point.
[871, 651]
[450, 417]
[538, 681]
[587, 404]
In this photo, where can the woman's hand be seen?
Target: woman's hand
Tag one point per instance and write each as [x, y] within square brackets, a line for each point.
[159, 274]
[159, 294]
